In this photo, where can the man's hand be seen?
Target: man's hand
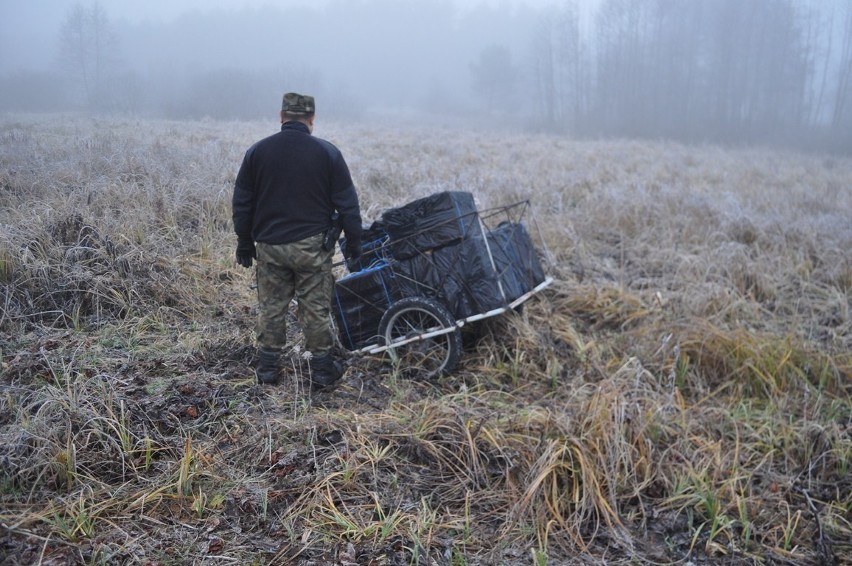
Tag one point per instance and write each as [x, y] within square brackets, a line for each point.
[353, 250]
[245, 252]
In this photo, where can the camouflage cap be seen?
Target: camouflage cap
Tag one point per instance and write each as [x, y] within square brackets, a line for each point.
[295, 103]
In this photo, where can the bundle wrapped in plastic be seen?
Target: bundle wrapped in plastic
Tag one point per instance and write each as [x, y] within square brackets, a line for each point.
[458, 275]
[515, 259]
[430, 222]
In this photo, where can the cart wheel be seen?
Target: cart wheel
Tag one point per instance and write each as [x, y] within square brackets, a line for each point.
[427, 357]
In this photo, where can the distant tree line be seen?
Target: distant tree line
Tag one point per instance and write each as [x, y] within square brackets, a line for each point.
[744, 71]
[92, 74]
[727, 71]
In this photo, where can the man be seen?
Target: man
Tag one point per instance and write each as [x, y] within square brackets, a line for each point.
[286, 191]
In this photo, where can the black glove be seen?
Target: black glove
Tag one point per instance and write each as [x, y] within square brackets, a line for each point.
[245, 252]
[353, 249]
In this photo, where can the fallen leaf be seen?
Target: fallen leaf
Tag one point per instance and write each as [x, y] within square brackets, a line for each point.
[285, 470]
[216, 545]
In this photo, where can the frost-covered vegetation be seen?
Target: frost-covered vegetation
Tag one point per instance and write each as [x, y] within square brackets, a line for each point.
[682, 392]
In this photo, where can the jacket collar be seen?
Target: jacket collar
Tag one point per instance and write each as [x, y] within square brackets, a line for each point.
[295, 125]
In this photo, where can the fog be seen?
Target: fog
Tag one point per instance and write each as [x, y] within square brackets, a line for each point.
[775, 72]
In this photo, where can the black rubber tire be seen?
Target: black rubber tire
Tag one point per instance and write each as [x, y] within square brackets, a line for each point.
[428, 358]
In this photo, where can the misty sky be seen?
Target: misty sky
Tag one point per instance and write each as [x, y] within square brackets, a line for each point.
[29, 28]
[387, 54]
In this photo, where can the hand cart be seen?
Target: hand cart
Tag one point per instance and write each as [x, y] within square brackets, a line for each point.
[429, 268]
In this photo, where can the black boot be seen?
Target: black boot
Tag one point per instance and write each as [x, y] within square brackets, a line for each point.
[268, 366]
[325, 370]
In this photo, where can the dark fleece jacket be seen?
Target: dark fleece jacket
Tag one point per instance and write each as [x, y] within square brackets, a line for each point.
[288, 186]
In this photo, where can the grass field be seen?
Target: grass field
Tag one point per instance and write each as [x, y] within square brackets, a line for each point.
[680, 394]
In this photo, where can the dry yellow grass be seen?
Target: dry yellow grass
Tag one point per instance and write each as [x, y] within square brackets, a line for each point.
[681, 393]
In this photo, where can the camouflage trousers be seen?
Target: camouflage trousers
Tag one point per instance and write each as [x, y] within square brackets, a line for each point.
[300, 270]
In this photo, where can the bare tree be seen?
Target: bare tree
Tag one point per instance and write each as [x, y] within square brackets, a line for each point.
[623, 74]
[494, 76]
[88, 52]
[560, 72]
[843, 97]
